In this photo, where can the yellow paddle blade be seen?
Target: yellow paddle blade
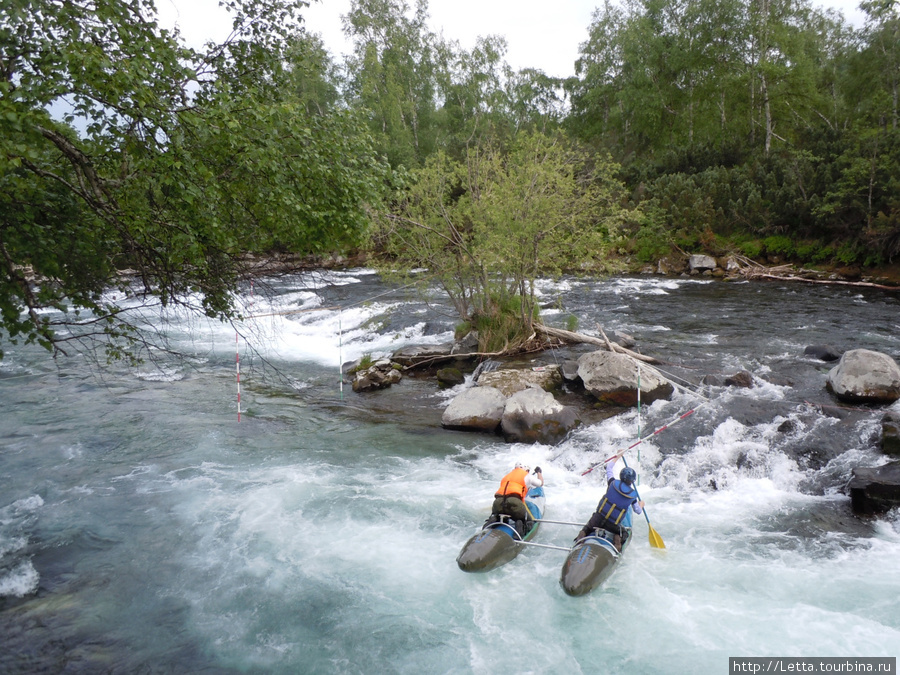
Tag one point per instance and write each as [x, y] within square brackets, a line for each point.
[655, 540]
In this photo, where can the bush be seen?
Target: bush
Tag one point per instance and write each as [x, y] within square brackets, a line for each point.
[849, 252]
[461, 330]
[502, 328]
[752, 249]
[813, 252]
[778, 245]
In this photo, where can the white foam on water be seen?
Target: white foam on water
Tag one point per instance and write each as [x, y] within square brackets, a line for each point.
[18, 576]
[311, 541]
[19, 581]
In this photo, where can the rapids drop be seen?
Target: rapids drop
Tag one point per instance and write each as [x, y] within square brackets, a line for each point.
[143, 529]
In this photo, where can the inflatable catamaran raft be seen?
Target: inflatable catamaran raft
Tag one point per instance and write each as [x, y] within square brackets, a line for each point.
[498, 541]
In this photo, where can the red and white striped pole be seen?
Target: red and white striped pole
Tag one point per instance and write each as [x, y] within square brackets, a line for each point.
[237, 365]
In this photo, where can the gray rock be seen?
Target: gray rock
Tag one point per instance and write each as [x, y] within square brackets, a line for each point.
[865, 376]
[449, 377]
[467, 345]
[379, 375]
[511, 380]
[702, 263]
[890, 433]
[739, 379]
[875, 490]
[475, 409]
[823, 352]
[613, 378]
[427, 354]
[569, 370]
[534, 416]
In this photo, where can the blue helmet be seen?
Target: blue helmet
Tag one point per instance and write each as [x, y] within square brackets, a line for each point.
[628, 476]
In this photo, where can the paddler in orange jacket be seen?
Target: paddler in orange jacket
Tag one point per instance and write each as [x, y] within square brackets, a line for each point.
[510, 498]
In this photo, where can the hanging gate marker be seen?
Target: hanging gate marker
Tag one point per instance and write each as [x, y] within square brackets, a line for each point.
[237, 366]
[341, 353]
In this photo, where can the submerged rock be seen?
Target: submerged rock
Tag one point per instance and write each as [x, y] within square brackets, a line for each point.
[875, 490]
[739, 379]
[890, 433]
[449, 377]
[823, 352]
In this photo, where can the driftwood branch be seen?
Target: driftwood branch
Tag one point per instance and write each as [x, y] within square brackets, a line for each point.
[753, 270]
[827, 282]
[580, 338]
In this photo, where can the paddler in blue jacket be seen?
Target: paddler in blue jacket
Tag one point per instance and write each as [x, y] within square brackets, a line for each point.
[613, 513]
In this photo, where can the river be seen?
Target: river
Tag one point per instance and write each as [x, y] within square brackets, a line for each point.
[144, 529]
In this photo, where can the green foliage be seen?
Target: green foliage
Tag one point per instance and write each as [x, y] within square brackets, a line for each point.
[778, 245]
[768, 119]
[849, 252]
[499, 324]
[393, 75]
[813, 252]
[652, 240]
[168, 162]
[752, 248]
[487, 228]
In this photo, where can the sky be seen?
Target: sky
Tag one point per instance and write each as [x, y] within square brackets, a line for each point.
[540, 34]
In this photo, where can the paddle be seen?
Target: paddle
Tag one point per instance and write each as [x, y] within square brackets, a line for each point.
[655, 540]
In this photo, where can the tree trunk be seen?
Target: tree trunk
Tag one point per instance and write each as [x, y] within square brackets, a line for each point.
[581, 338]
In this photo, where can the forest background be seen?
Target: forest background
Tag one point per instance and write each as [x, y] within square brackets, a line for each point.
[767, 129]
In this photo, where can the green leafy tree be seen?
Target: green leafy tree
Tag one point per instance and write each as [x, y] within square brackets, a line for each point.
[168, 163]
[392, 75]
[488, 227]
[476, 102]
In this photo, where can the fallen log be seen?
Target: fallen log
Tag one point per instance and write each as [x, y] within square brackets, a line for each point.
[580, 338]
[826, 282]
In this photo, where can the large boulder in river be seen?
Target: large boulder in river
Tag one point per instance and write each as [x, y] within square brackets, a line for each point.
[511, 380]
[702, 263]
[534, 416]
[875, 490]
[865, 376]
[613, 378]
[475, 409]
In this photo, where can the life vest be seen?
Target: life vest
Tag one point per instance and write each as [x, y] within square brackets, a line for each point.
[616, 501]
[513, 484]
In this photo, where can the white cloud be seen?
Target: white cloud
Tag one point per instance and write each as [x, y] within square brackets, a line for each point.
[539, 34]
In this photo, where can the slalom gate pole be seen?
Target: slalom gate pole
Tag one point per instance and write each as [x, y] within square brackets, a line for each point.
[237, 367]
[635, 444]
[341, 353]
[639, 406]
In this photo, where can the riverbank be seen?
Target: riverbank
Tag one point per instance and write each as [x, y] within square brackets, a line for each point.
[729, 267]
